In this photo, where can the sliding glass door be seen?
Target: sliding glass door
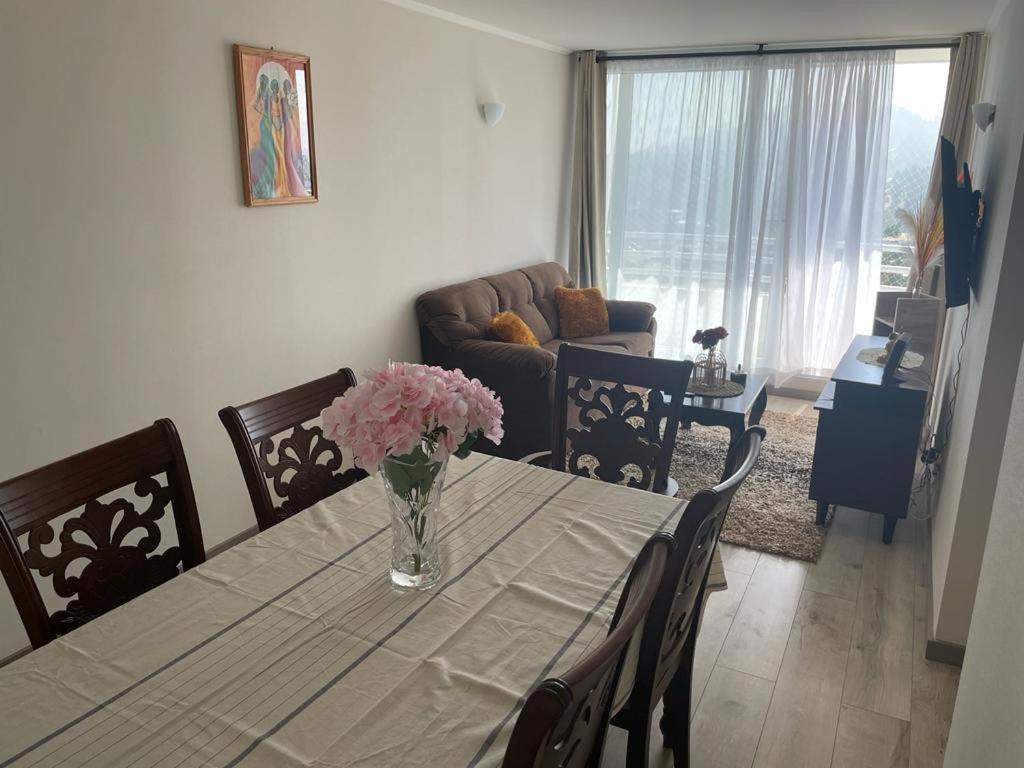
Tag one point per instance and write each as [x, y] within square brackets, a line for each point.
[748, 191]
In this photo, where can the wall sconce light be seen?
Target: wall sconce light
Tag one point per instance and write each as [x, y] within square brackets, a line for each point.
[492, 112]
[984, 113]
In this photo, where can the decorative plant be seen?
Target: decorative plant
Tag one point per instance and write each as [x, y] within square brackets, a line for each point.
[710, 338]
[924, 226]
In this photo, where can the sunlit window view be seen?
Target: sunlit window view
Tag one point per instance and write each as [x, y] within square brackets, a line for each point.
[761, 193]
[918, 95]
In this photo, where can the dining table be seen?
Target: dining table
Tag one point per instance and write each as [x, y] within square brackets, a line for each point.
[292, 648]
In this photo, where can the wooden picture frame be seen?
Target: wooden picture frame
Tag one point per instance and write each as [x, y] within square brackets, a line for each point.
[274, 94]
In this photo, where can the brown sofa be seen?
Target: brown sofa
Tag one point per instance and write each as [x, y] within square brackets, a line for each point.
[453, 334]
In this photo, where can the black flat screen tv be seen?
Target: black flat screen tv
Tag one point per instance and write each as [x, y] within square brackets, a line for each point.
[960, 226]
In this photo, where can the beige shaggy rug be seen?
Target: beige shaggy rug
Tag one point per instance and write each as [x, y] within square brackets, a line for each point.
[771, 512]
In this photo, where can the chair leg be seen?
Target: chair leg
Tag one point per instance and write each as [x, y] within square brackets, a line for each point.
[638, 745]
[675, 723]
[665, 726]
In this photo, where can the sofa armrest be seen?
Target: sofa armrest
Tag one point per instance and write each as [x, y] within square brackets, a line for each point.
[480, 357]
[630, 315]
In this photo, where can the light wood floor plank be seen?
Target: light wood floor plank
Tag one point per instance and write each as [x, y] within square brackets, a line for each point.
[838, 570]
[719, 612]
[800, 729]
[743, 717]
[728, 722]
[757, 640]
[880, 670]
[738, 559]
[869, 740]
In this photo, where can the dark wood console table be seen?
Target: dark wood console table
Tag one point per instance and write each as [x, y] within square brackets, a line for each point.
[866, 448]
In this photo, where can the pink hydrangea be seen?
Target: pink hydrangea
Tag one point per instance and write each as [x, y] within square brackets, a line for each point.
[403, 405]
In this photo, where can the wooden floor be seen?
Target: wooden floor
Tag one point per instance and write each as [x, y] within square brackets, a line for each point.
[818, 665]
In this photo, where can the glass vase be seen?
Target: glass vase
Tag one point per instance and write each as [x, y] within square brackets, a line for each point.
[709, 368]
[413, 485]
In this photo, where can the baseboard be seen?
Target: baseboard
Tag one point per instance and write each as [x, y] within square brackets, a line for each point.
[796, 394]
[947, 653]
[15, 656]
[937, 650]
[231, 541]
[801, 386]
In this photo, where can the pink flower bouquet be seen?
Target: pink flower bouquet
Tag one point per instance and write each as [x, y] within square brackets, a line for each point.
[405, 407]
[407, 420]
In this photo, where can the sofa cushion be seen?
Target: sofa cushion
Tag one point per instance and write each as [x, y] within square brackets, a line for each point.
[629, 315]
[581, 312]
[634, 342]
[500, 363]
[509, 327]
[553, 345]
[458, 312]
[544, 278]
[515, 294]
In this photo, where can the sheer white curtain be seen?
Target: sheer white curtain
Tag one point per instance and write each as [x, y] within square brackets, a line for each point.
[747, 191]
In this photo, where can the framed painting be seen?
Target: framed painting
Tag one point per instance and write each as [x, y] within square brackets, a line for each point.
[275, 126]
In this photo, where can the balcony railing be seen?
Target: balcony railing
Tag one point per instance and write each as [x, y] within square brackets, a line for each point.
[670, 257]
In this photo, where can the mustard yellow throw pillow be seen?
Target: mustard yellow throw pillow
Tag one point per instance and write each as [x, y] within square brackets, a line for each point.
[510, 327]
[581, 312]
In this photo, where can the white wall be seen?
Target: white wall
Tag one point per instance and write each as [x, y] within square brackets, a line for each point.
[992, 351]
[135, 285]
[990, 702]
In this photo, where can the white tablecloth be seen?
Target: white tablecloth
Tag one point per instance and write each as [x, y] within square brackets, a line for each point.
[291, 649]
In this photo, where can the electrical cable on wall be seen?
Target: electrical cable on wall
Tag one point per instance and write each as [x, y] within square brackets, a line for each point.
[932, 456]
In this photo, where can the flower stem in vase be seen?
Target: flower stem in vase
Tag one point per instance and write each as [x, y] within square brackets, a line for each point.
[418, 523]
[413, 483]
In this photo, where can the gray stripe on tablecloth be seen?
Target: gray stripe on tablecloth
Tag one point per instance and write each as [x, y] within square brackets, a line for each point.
[405, 622]
[495, 492]
[489, 741]
[220, 633]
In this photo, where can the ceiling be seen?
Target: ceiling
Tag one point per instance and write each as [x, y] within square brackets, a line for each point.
[630, 24]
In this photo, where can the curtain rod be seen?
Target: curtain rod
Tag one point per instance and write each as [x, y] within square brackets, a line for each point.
[761, 49]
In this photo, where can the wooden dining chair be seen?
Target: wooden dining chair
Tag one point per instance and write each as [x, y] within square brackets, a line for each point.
[301, 467]
[564, 719]
[115, 571]
[616, 416]
[665, 666]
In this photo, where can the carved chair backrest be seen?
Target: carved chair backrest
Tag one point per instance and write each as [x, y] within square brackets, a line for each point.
[301, 467]
[117, 542]
[676, 611]
[564, 719]
[616, 415]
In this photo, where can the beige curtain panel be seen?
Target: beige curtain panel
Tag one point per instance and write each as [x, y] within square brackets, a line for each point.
[962, 89]
[587, 265]
[961, 93]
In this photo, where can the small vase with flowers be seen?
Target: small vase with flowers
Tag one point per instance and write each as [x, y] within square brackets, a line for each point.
[709, 367]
